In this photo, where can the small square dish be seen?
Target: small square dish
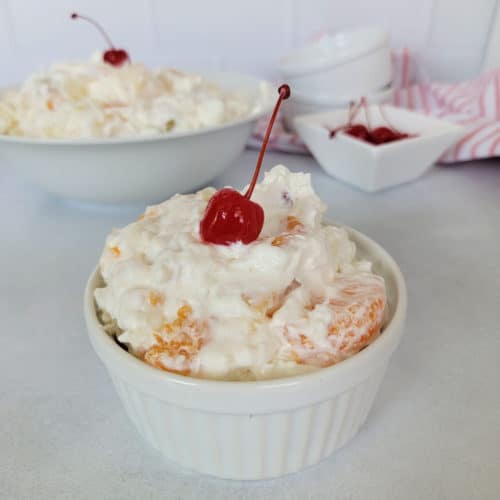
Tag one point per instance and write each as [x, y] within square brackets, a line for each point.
[374, 167]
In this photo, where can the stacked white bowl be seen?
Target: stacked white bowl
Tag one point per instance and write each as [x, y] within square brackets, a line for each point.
[335, 69]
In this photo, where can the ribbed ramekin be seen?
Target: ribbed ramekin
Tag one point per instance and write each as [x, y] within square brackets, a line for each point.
[254, 430]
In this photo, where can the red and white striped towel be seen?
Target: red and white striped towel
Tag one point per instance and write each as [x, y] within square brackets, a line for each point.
[474, 104]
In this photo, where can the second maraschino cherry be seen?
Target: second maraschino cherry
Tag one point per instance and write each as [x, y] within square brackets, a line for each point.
[376, 136]
[231, 217]
[113, 56]
[382, 135]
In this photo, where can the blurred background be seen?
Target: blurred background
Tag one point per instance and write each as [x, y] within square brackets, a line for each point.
[453, 39]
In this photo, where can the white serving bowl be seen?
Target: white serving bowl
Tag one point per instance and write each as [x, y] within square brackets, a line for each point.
[343, 65]
[369, 167]
[254, 430]
[302, 104]
[138, 169]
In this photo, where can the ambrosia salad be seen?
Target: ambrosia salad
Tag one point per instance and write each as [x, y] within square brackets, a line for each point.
[293, 300]
[95, 99]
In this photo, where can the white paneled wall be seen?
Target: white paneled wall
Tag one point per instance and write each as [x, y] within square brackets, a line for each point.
[450, 36]
[407, 23]
[458, 36]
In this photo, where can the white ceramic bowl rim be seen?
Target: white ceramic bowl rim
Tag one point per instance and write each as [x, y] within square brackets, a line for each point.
[333, 49]
[253, 396]
[266, 106]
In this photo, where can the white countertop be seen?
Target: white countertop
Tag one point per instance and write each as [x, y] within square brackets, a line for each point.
[434, 432]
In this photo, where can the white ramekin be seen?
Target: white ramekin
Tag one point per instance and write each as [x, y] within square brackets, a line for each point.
[373, 168]
[254, 430]
[342, 65]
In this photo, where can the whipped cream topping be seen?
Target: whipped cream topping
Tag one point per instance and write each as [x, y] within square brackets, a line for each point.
[94, 99]
[262, 310]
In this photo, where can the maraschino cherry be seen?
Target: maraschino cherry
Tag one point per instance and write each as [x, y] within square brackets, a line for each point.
[113, 56]
[376, 136]
[358, 130]
[230, 216]
[381, 135]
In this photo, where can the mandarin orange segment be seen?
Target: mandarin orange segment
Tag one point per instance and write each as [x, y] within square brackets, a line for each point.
[184, 312]
[293, 226]
[50, 105]
[178, 343]
[293, 223]
[357, 313]
[279, 241]
[116, 251]
[155, 298]
[305, 341]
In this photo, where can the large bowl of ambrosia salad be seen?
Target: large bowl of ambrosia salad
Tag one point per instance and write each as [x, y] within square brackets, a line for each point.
[99, 133]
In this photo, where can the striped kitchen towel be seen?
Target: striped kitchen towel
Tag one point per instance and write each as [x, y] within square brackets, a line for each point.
[474, 104]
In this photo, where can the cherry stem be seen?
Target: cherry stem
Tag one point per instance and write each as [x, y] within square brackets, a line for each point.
[350, 115]
[384, 117]
[364, 103]
[284, 92]
[96, 25]
[354, 108]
